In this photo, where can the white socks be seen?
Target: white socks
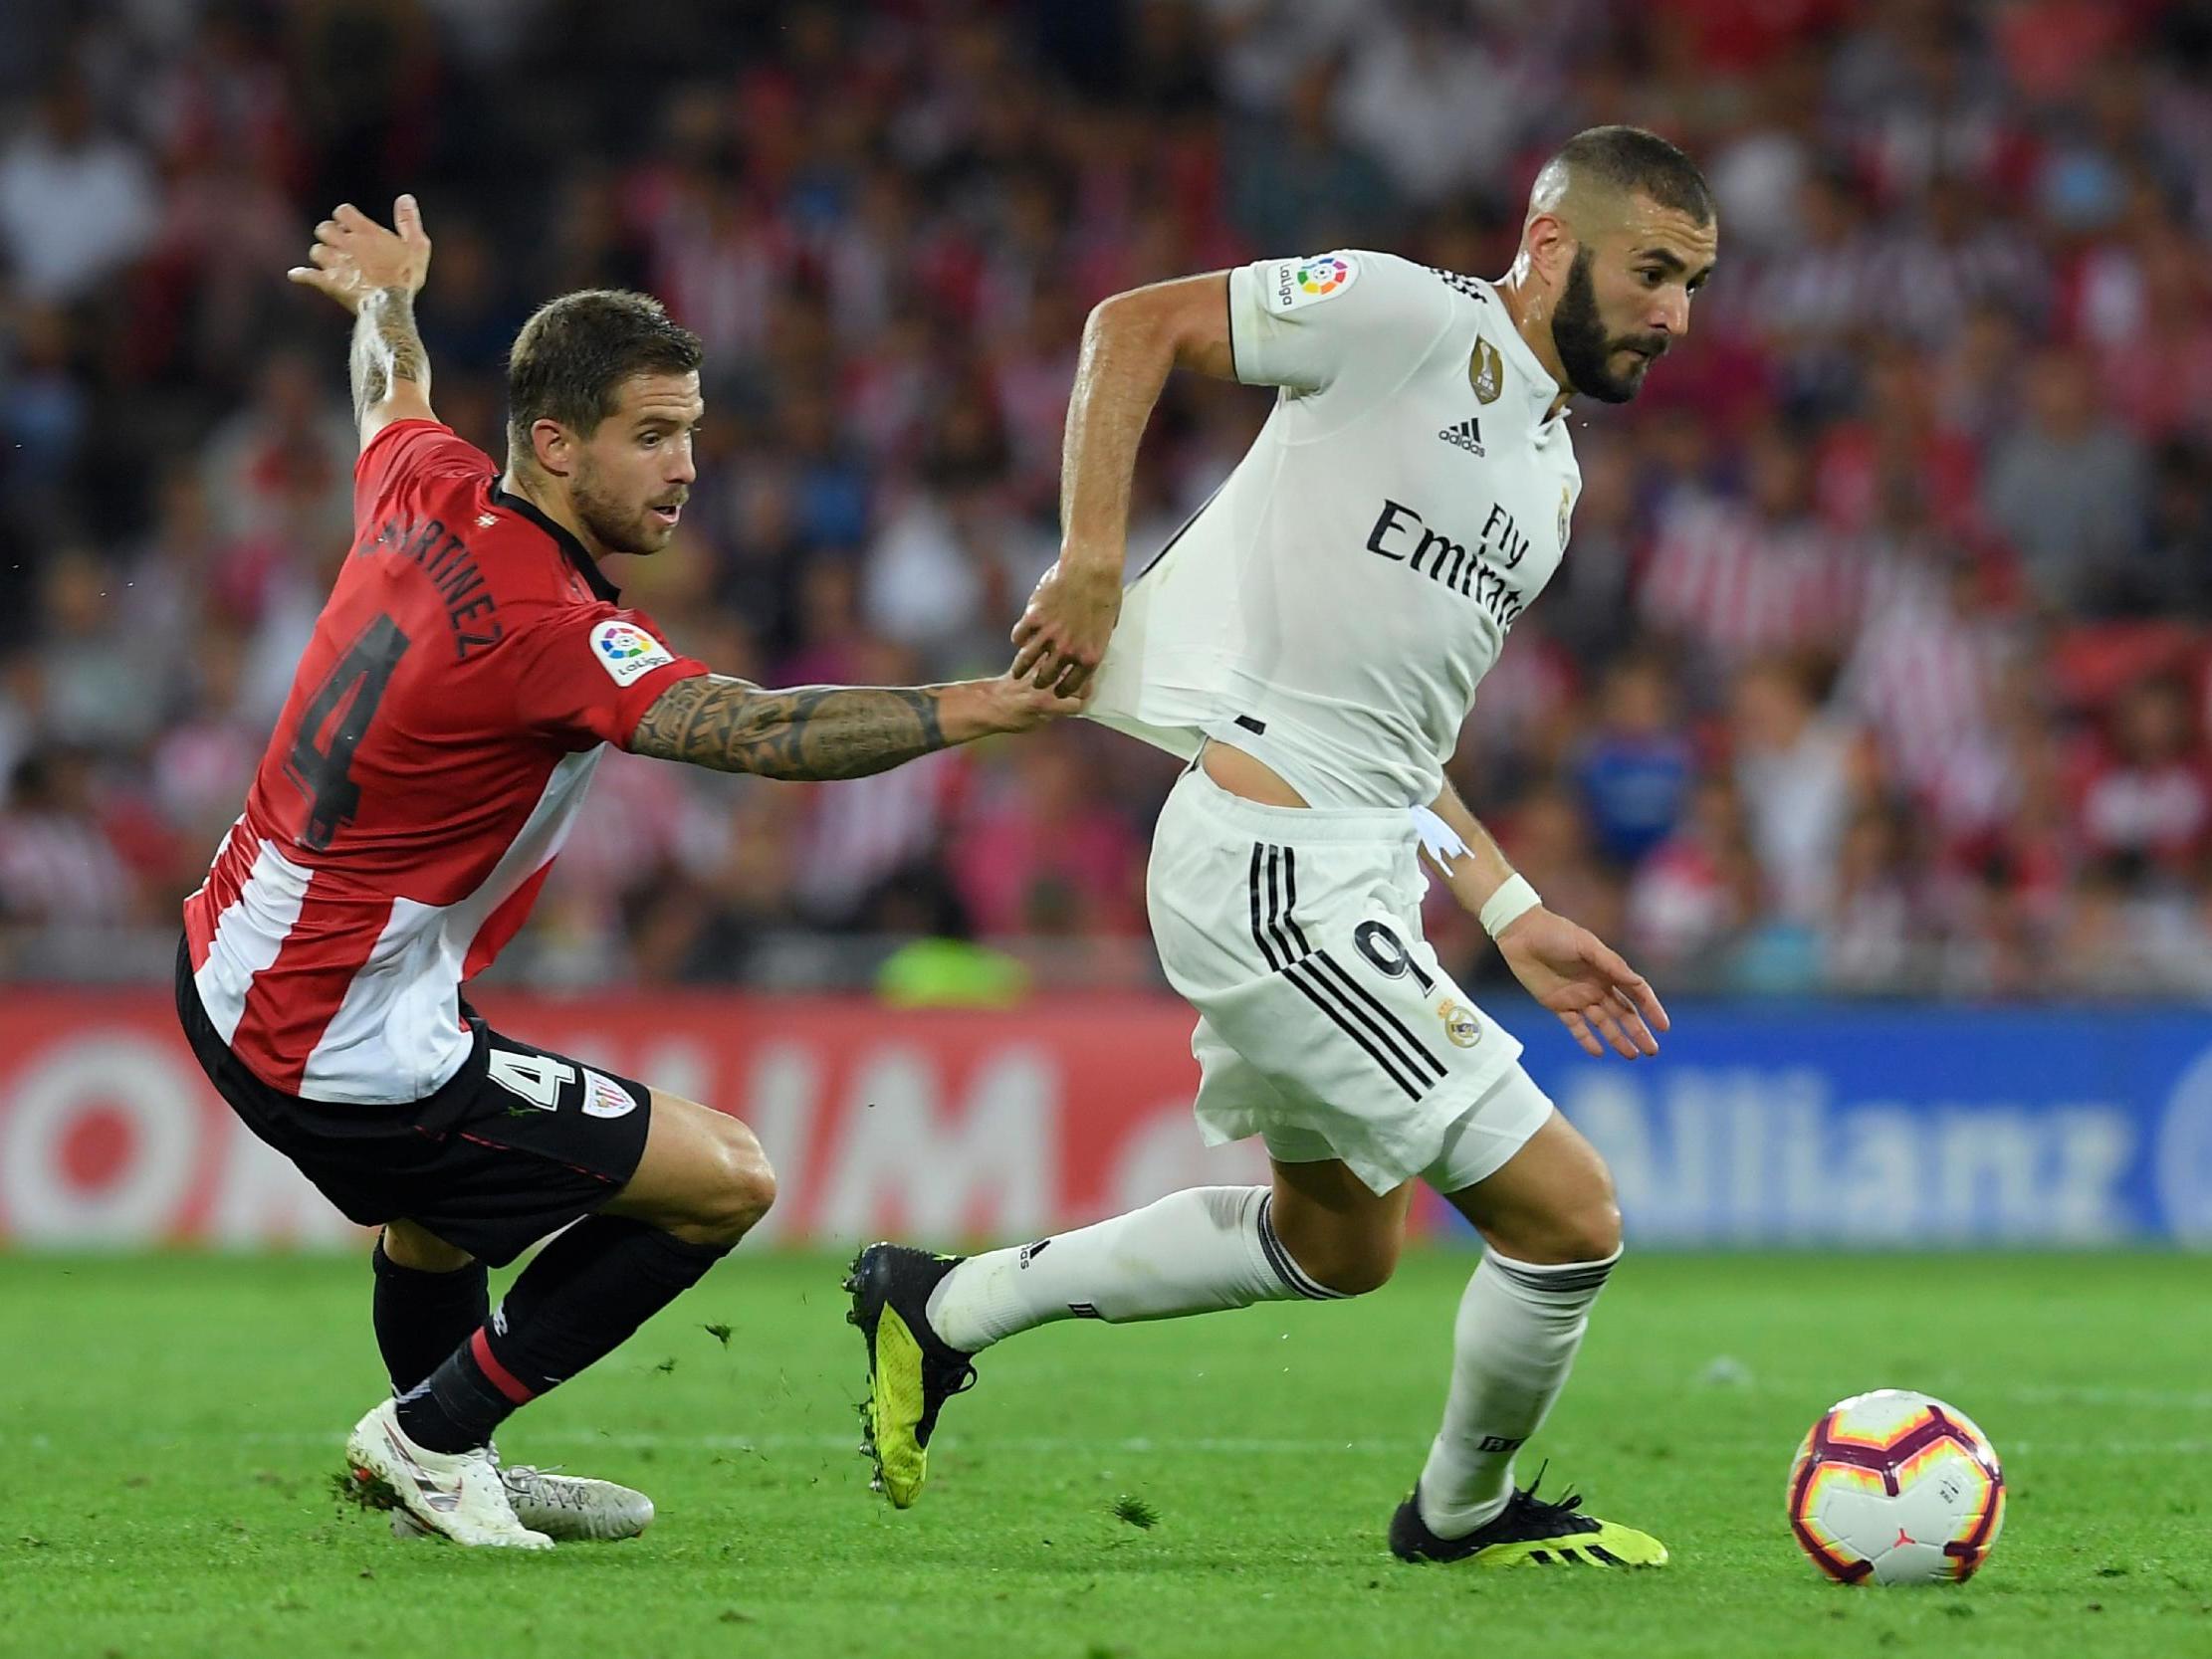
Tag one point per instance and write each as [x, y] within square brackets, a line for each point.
[1197, 1251]
[1213, 1247]
[1514, 1342]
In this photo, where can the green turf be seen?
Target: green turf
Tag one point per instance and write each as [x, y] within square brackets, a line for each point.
[168, 1426]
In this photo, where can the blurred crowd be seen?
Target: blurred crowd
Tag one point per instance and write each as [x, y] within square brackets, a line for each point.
[1878, 663]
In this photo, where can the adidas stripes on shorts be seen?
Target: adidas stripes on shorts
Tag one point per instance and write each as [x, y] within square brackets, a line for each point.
[1326, 1025]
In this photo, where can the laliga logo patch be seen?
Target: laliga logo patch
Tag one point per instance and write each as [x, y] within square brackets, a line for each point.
[1323, 277]
[1566, 507]
[1307, 282]
[1460, 1023]
[626, 651]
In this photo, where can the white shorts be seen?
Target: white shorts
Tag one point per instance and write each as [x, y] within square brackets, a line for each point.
[1326, 1025]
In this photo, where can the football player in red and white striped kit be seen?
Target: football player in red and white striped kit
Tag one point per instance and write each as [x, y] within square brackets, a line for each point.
[469, 669]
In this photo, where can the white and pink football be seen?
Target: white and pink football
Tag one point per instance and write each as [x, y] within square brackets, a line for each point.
[1896, 1488]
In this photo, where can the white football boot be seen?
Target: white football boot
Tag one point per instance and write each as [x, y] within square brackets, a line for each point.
[458, 1495]
[568, 1509]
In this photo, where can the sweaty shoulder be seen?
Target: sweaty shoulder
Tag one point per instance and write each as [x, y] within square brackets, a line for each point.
[1352, 316]
[412, 458]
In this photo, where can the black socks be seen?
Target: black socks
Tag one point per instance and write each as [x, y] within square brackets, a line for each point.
[421, 1317]
[583, 1298]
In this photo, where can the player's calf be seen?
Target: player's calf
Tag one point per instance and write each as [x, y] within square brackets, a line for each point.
[584, 1295]
[700, 1185]
[1554, 1238]
[1203, 1250]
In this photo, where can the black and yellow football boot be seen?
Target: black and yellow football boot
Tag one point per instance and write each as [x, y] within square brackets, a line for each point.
[1529, 1529]
[912, 1371]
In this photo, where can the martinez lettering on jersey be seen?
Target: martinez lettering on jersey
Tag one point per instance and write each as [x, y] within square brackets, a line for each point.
[1473, 574]
[446, 559]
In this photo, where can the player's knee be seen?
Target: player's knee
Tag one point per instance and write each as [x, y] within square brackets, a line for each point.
[1586, 1231]
[408, 1245]
[1593, 1233]
[737, 1188]
[1595, 1219]
[744, 1193]
[1347, 1269]
[1358, 1275]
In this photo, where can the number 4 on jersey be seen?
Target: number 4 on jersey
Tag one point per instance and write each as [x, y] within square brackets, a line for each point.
[535, 1078]
[345, 702]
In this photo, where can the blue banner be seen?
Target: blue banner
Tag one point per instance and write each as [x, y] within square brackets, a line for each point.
[1841, 1125]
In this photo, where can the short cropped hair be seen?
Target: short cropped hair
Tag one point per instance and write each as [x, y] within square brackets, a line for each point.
[1636, 162]
[569, 360]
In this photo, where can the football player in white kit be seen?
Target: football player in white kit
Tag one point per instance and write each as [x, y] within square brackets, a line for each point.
[1313, 641]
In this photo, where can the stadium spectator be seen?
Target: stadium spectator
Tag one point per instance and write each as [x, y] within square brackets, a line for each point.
[284, 463]
[1926, 674]
[1295, 177]
[101, 689]
[1732, 580]
[1794, 770]
[1700, 889]
[1876, 941]
[1634, 769]
[1415, 71]
[2149, 797]
[77, 203]
[1036, 857]
[60, 866]
[2068, 489]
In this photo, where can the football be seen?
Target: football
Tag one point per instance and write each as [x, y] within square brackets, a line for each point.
[1896, 1488]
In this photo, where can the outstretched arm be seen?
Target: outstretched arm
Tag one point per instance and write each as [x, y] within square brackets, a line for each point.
[390, 371]
[832, 731]
[1130, 344]
[375, 274]
[1569, 970]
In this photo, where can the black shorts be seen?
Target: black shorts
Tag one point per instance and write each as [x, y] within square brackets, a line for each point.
[491, 1167]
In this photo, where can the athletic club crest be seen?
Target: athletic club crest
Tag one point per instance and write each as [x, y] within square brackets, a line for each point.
[1485, 372]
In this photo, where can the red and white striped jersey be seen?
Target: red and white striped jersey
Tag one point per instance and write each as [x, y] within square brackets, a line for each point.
[463, 678]
[1737, 586]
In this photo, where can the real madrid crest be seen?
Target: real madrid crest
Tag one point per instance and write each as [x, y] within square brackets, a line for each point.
[1460, 1023]
[1485, 372]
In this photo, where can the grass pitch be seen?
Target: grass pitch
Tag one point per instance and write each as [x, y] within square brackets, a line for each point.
[1210, 1487]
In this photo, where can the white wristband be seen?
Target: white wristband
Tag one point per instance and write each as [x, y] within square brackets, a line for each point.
[1513, 899]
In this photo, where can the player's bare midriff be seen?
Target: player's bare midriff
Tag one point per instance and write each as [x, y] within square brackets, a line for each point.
[1242, 775]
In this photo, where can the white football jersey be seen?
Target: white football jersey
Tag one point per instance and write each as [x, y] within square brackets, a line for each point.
[1333, 608]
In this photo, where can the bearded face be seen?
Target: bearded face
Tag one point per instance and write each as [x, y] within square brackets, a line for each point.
[634, 474]
[637, 518]
[1601, 361]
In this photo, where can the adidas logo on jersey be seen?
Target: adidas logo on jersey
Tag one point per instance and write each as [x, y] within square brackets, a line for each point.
[1468, 434]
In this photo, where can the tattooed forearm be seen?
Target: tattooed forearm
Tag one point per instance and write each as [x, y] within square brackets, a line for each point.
[386, 348]
[810, 732]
